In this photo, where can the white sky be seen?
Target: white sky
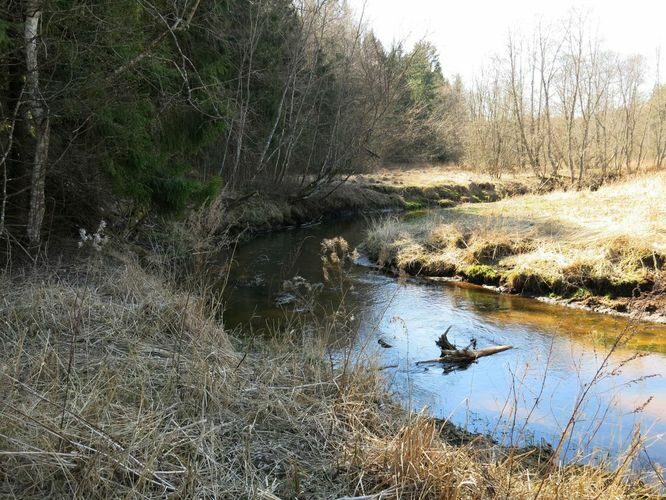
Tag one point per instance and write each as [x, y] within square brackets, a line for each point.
[467, 32]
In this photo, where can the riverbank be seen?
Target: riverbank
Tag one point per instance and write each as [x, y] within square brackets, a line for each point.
[117, 382]
[397, 189]
[604, 250]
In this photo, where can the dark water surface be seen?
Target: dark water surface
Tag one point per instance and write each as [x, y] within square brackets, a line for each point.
[557, 350]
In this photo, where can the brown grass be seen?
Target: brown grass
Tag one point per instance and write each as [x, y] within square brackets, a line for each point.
[634, 210]
[417, 463]
[115, 384]
[429, 175]
[607, 242]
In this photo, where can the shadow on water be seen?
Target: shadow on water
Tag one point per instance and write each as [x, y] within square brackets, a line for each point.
[556, 350]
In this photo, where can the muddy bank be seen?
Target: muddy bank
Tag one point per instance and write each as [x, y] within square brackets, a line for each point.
[261, 212]
[448, 195]
[646, 305]
[645, 308]
[258, 212]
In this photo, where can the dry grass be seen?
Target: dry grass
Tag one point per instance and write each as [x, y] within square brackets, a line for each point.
[422, 186]
[632, 211]
[114, 384]
[429, 175]
[156, 399]
[416, 463]
[607, 242]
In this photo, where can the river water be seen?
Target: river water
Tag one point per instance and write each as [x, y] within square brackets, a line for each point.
[522, 396]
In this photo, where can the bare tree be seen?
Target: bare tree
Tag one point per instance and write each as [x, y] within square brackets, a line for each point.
[37, 116]
[629, 80]
[571, 104]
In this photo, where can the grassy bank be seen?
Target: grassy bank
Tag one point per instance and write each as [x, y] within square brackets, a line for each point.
[408, 188]
[605, 249]
[116, 383]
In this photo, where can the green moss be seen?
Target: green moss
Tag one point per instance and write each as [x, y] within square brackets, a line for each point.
[482, 274]
[414, 205]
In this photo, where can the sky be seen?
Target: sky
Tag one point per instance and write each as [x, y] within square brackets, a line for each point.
[468, 32]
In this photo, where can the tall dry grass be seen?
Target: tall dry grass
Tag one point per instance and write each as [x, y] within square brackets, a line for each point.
[117, 384]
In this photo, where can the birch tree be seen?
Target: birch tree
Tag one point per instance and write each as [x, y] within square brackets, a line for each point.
[37, 118]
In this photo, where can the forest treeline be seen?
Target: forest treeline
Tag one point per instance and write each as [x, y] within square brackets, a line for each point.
[131, 105]
[557, 104]
[160, 103]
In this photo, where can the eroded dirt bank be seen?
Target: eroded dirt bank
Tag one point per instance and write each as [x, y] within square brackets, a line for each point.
[397, 190]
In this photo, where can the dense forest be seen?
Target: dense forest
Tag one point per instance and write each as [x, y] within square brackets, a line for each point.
[161, 104]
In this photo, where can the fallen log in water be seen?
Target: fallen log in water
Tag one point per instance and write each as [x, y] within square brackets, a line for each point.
[466, 355]
[452, 355]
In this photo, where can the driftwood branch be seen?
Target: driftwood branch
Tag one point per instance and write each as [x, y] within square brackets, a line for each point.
[443, 342]
[452, 355]
[466, 355]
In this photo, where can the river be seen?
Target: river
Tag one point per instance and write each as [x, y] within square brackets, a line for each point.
[522, 396]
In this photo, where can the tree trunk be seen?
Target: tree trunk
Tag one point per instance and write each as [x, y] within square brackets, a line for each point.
[466, 355]
[38, 118]
[450, 354]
